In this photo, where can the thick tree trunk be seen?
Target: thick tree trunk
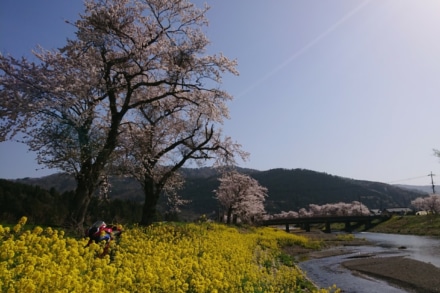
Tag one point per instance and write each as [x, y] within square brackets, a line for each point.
[234, 219]
[86, 185]
[152, 194]
[91, 169]
[149, 211]
[229, 216]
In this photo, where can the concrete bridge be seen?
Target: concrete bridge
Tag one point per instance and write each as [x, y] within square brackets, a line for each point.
[305, 222]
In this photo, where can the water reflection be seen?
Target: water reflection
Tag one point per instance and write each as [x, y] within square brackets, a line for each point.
[328, 271]
[422, 248]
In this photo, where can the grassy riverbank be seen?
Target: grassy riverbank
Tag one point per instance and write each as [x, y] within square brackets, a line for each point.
[413, 225]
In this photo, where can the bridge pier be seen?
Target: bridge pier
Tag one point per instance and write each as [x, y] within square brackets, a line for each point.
[328, 229]
[347, 226]
[287, 228]
[307, 227]
[367, 225]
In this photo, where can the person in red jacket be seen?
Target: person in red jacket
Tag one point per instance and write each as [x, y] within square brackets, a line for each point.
[99, 232]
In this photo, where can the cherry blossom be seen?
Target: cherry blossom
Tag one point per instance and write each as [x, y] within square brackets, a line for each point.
[80, 104]
[241, 196]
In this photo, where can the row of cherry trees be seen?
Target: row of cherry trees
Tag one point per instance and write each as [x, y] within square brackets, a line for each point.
[243, 197]
[430, 204]
[354, 208]
[133, 94]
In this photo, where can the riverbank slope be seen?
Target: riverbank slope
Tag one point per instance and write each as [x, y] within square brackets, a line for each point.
[411, 225]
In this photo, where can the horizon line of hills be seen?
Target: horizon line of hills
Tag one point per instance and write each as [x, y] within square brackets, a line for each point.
[288, 190]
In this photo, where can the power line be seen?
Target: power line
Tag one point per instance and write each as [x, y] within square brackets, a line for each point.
[408, 179]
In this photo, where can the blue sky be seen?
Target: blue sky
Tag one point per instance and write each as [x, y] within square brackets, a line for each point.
[346, 87]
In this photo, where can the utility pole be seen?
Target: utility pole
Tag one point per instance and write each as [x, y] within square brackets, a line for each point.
[432, 182]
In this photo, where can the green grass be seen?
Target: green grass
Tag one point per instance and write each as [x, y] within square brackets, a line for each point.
[416, 225]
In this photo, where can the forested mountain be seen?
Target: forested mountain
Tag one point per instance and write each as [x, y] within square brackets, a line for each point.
[49, 207]
[295, 189]
[17, 199]
[287, 190]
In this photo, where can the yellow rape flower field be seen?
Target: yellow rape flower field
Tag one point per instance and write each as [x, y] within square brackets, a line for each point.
[166, 257]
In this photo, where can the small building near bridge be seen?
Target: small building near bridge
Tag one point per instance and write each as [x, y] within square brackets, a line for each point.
[397, 212]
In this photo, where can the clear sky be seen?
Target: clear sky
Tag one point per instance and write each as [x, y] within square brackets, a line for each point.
[346, 87]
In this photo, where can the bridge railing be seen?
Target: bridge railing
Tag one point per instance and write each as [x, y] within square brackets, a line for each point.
[322, 220]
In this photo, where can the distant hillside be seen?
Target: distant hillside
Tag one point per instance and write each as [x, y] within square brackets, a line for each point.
[60, 182]
[425, 189]
[288, 189]
[294, 189]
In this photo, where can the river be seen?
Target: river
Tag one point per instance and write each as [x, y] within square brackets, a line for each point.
[325, 272]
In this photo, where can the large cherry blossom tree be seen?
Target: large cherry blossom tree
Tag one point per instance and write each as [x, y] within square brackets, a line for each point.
[163, 138]
[76, 105]
[242, 196]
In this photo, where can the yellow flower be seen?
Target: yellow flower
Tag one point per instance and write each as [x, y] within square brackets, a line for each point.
[203, 257]
[22, 221]
[37, 230]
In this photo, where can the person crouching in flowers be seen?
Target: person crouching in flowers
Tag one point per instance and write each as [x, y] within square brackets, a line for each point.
[99, 232]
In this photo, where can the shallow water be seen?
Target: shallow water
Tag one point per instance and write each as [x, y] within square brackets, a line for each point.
[325, 272]
[422, 248]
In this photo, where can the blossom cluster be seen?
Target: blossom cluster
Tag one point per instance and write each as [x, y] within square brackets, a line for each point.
[429, 204]
[165, 257]
[329, 209]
